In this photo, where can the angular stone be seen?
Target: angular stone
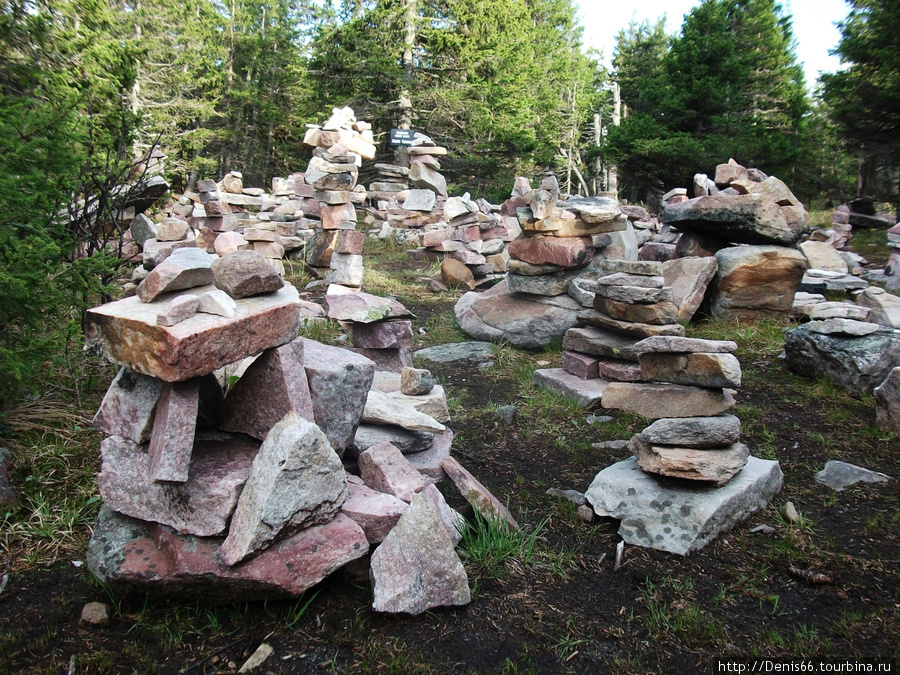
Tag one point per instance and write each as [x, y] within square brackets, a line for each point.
[548, 285]
[425, 177]
[125, 332]
[375, 512]
[178, 309]
[339, 382]
[142, 229]
[183, 268]
[746, 219]
[713, 466]
[620, 279]
[632, 267]
[582, 291]
[854, 364]
[755, 282]
[156, 252]
[428, 462]
[595, 209]
[580, 365]
[670, 515]
[172, 229]
[522, 321]
[243, 274]
[696, 244]
[296, 481]
[219, 303]
[364, 308]
[384, 468]
[587, 393]
[332, 215]
[383, 409]
[591, 340]
[274, 384]
[454, 523]
[368, 435]
[616, 370]
[419, 200]
[349, 241]
[631, 329]
[416, 382]
[837, 310]
[683, 345]
[884, 307]
[657, 314]
[525, 269]
[172, 440]
[689, 278]
[129, 406]
[821, 255]
[432, 404]
[383, 335]
[656, 401]
[697, 369]
[694, 432]
[346, 270]
[478, 352]
[416, 567]
[840, 475]
[477, 495]
[576, 227]
[562, 251]
[201, 506]
[632, 294]
[848, 327]
[390, 359]
[269, 249]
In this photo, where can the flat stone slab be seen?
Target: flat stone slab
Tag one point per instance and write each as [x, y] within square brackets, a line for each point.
[383, 409]
[478, 352]
[675, 515]
[656, 401]
[599, 342]
[477, 494]
[364, 308]
[126, 333]
[840, 475]
[588, 393]
[683, 345]
[694, 432]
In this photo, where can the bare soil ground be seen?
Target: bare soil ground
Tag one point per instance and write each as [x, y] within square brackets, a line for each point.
[565, 611]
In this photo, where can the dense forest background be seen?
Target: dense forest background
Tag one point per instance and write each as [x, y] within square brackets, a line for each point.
[217, 85]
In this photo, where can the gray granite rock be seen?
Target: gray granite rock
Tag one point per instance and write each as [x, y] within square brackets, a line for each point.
[683, 345]
[656, 401]
[840, 475]
[716, 466]
[243, 274]
[673, 515]
[694, 432]
[479, 352]
[697, 369]
[184, 268]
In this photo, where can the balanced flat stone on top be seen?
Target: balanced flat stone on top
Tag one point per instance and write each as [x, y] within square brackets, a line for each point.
[675, 515]
[296, 481]
[598, 342]
[656, 401]
[126, 332]
[273, 384]
[629, 328]
[712, 466]
[696, 369]
[184, 268]
[588, 393]
[685, 345]
[243, 274]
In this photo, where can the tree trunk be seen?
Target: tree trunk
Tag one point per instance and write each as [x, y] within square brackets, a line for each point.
[401, 154]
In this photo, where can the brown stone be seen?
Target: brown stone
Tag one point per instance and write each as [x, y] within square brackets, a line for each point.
[598, 342]
[183, 268]
[689, 278]
[658, 314]
[631, 329]
[716, 466]
[333, 215]
[562, 251]
[456, 274]
[656, 401]
[383, 335]
[697, 369]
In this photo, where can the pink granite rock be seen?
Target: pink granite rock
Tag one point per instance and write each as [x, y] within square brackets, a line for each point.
[273, 385]
[689, 278]
[364, 308]
[184, 268]
[383, 335]
[339, 383]
[129, 406]
[296, 481]
[416, 567]
[384, 468]
[333, 215]
[617, 370]
[476, 494]
[156, 252]
[172, 441]
[201, 506]
[375, 512]
[242, 274]
[229, 242]
[428, 462]
[350, 242]
[562, 251]
[125, 332]
[580, 365]
[453, 521]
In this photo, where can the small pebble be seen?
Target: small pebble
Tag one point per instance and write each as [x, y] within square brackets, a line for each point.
[598, 419]
[585, 513]
[507, 414]
[95, 613]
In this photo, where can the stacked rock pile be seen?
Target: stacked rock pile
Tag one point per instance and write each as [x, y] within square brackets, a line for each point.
[690, 478]
[381, 329]
[341, 144]
[243, 494]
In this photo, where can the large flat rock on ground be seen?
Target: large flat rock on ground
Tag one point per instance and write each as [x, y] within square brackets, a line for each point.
[126, 332]
[675, 515]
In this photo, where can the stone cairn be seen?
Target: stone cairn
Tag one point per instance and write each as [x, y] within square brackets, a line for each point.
[242, 491]
[690, 478]
[341, 144]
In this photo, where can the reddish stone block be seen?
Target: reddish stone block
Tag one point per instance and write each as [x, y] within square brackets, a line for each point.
[562, 251]
[169, 454]
[580, 365]
[383, 335]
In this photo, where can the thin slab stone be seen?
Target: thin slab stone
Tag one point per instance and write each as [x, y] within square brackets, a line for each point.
[383, 335]
[716, 466]
[638, 267]
[887, 402]
[180, 308]
[384, 468]
[631, 329]
[696, 369]
[364, 308]
[679, 516]
[598, 342]
[477, 494]
[837, 310]
[478, 352]
[274, 384]
[633, 294]
[129, 406]
[618, 370]
[433, 404]
[562, 251]
[583, 366]
[416, 567]
[587, 393]
[407, 442]
[842, 327]
[636, 280]
[296, 481]
[656, 314]
[550, 285]
[840, 475]
[126, 332]
[656, 401]
[689, 278]
[381, 408]
[683, 345]
[375, 512]
[694, 432]
[172, 440]
[184, 268]
[201, 506]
